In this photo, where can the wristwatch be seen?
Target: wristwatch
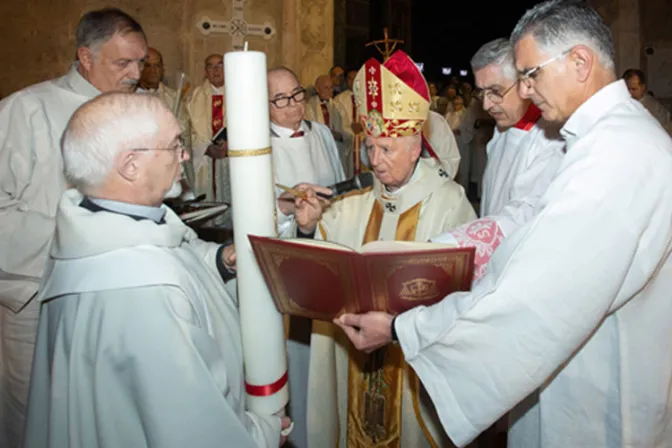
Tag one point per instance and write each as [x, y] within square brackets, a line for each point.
[393, 330]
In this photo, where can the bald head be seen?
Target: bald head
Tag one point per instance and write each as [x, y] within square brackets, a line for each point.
[153, 71]
[214, 69]
[286, 96]
[102, 129]
[324, 87]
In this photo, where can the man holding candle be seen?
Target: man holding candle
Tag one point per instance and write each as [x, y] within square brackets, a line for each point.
[152, 355]
[411, 199]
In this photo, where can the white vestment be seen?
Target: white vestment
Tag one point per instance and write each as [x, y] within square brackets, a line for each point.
[314, 112]
[32, 122]
[138, 343]
[521, 165]
[431, 202]
[200, 107]
[343, 104]
[312, 159]
[658, 111]
[572, 319]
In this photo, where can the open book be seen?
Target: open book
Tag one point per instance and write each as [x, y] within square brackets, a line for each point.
[321, 280]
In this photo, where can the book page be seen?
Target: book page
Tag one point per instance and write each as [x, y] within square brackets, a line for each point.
[402, 246]
[320, 243]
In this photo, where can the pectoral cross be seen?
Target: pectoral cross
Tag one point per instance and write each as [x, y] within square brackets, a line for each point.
[388, 50]
[236, 27]
[390, 206]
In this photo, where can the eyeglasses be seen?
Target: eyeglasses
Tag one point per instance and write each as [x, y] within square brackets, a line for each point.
[528, 77]
[284, 101]
[492, 94]
[179, 148]
[213, 66]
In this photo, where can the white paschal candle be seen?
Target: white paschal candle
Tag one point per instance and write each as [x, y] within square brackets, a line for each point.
[253, 206]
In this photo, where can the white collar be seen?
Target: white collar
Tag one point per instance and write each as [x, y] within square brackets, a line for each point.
[284, 132]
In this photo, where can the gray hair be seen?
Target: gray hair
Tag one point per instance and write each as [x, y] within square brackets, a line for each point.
[98, 26]
[102, 128]
[497, 52]
[558, 25]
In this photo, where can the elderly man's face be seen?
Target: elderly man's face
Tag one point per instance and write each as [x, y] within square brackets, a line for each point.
[153, 71]
[324, 87]
[116, 65]
[552, 87]
[214, 70]
[337, 76]
[287, 100]
[635, 86]
[510, 108]
[393, 159]
[163, 166]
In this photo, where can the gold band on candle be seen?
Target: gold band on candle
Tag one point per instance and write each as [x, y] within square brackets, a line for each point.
[249, 152]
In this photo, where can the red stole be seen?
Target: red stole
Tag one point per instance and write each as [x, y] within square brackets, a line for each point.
[325, 113]
[217, 124]
[529, 119]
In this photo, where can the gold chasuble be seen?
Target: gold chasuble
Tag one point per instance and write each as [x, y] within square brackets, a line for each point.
[357, 400]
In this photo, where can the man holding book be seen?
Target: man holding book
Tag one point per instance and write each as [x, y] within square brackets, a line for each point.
[369, 400]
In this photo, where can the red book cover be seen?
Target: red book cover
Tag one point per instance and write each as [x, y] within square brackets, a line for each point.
[321, 280]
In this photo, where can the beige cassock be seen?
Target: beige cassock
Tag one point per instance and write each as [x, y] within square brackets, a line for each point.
[200, 107]
[148, 357]
[344, 105]
[32, 122]
[658, 111]
[431, 202]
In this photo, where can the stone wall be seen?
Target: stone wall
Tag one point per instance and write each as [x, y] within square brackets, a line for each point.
[38, 36]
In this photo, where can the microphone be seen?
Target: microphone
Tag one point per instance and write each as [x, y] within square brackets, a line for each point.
[359, 182]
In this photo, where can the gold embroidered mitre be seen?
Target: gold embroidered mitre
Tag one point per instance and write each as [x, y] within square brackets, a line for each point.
[392, 99]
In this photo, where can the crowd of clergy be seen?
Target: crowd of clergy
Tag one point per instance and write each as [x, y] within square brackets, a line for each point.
[119, 326]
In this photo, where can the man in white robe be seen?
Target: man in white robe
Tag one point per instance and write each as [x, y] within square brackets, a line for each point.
[31, 124]
[138, 343]
[412, 197]
[351, 128]
[207, 111]
[523, 156]
[321, 109]
[636, 82]
[303, 151]
[570, 325]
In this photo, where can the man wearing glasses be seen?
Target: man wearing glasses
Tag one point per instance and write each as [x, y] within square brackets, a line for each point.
[139, 342]
[111, 52]
[303, 152]
[570, 326]
[207, 112]
[523, 154]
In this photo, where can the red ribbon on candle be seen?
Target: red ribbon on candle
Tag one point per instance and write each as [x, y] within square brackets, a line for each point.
[269, 389]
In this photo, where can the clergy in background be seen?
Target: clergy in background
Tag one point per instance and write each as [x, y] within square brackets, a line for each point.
[138, 343]
[412, 198]
[303, 151]
[570, 327]
[320, 107]
[523, 156]
[207, 111]
[636, 82]
[151, 81]
[32, 123]
[351, 128]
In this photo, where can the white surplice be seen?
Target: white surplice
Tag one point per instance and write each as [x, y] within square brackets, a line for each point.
[442, 205]
[312, 158]
[139, 343]
[570, 326]
[199, 106]
[32, 122]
